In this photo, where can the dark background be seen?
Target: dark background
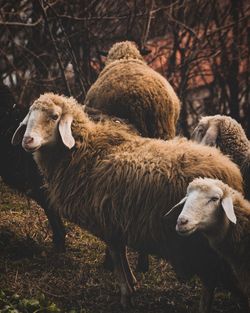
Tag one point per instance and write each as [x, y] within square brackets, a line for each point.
[200, 46]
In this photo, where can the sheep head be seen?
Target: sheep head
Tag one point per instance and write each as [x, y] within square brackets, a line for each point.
[207, 131]
[122, 51]
[44, 125]
[207, 203]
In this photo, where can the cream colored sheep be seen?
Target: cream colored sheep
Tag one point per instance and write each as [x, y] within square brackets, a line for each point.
[128, 88]
[118, 186]
[223, 216]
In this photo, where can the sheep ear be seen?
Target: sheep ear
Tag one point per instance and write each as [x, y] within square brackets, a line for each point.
[211, 136]
[176, 206]
[18, 134]
[227, 205]
[65, 131]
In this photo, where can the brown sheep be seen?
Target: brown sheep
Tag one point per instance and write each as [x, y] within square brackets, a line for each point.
[128, 88]
[223, 216]
[228, 135]
[119, 185]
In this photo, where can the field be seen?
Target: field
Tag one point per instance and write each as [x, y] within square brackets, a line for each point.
[33, 278]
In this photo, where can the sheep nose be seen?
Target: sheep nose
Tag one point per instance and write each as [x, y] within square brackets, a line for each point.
[182, 220]
[28, 140]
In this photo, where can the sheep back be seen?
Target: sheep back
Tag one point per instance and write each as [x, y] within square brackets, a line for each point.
[136, 184]
[130, 89]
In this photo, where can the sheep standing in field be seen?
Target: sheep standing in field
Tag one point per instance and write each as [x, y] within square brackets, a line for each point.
[223, 216]
[227, 134]
[118, 186]
[128, 88]
[18, 169]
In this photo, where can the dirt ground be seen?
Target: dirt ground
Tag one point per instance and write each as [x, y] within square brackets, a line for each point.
[76, 280]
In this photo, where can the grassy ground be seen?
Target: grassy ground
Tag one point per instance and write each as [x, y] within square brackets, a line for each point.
[76, 280]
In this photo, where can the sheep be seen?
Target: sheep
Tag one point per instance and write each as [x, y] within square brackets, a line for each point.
[227, 134]
[223, 216]
[128, 88]
[118, 185]
[18, 169]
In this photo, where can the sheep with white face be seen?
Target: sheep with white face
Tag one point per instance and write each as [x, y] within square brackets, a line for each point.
[223, 216]
[37, 135]
[204, 204]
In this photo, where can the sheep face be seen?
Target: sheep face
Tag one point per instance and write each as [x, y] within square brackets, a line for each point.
[205, 206]
[207, 131]
[45, 124]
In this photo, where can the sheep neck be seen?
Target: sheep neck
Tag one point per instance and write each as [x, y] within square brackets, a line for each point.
[235, 245]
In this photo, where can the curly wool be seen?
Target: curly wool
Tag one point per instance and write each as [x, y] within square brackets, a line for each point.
[124, 50]
[113, 181]
[128, 88]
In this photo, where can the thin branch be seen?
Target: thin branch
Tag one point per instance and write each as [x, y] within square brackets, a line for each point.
[68, 92]
[19, 24]
[71, 50]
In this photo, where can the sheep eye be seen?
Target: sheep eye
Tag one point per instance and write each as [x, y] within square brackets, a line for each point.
[54, 117]
[214, 199]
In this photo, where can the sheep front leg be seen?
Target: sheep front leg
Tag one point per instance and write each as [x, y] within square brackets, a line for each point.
[123, 273]
[55, 221]
[58, 230]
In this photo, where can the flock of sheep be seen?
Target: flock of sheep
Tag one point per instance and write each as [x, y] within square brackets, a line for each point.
[115, 168]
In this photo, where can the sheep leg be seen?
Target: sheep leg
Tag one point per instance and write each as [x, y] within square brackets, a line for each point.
[130, 276]
[55, 221]
[206, 300]
[108, 263]
[58, 230]
[121, 273]
[142, 263]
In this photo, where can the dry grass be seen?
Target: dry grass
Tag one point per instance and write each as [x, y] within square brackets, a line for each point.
[76, 279]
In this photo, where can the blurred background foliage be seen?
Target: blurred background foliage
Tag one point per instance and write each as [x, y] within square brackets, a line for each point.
[200, 46]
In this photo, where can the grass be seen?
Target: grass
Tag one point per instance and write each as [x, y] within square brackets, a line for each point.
[75, 282]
